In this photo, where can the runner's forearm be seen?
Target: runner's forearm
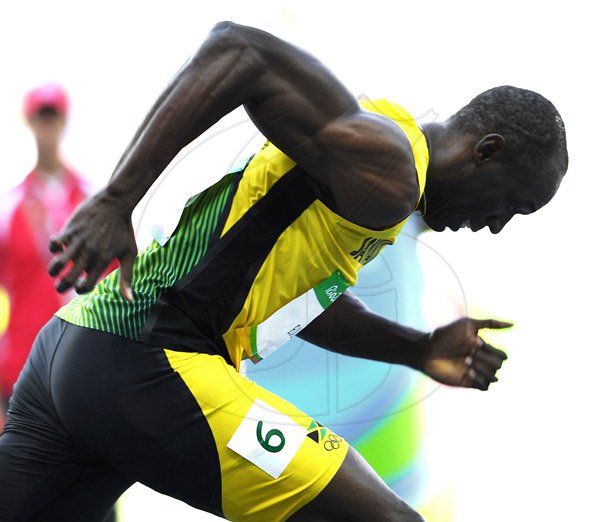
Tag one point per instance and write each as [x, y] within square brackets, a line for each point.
[349, 328]
[288, 94]
[203, 91]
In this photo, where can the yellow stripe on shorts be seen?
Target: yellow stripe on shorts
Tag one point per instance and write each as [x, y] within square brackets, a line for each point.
[274, 459]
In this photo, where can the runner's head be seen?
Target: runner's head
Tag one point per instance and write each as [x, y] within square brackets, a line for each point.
[502, 154]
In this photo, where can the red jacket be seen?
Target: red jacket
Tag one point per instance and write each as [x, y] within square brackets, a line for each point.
[29, 213]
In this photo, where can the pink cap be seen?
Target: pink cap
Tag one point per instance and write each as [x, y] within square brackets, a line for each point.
[48, 95]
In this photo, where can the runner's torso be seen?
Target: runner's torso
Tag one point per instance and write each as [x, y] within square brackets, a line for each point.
[254, 258]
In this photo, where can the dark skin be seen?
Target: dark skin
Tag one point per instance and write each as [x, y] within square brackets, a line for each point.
[469, 186]
[365, 161]
[454, 354]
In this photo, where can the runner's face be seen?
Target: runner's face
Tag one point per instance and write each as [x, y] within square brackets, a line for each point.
[490, 198]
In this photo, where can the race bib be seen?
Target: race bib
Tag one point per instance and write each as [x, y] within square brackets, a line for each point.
[267, 438]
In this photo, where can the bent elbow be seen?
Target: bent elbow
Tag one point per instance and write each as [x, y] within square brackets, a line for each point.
[223, 27]
[233, 35]
[226, 38]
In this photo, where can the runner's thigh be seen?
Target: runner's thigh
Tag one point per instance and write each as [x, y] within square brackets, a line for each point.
[356, 494]
[188, 425]
[124, 402]
[44, 474]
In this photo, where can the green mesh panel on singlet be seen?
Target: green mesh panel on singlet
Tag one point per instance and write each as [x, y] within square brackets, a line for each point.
[155, 270]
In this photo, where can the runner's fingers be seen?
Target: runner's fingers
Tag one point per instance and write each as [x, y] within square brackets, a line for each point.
[57, 244]
[490, 355]
[477, 380]
[490, 323]
[70, 279]
[485, 370]
[495, 352]
[126, 264]
[57, 265]
[86, 282]
[481, 382]
[481, 370]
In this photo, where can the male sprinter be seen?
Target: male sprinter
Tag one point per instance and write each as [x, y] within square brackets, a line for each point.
[137, 379]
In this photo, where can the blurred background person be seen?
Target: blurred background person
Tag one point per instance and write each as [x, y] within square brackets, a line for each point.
[29, 214]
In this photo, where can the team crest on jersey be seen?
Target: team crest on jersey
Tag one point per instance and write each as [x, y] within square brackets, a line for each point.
[369, 249]
[323, 436]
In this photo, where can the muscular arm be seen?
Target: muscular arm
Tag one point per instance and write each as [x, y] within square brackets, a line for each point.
[453, 354]
[279, 84]
[294, 100]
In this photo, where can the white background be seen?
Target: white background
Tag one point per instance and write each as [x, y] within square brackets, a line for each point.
[526, 450]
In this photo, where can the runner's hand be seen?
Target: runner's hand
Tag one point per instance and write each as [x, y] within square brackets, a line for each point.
[98, 231]
[457, 356]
